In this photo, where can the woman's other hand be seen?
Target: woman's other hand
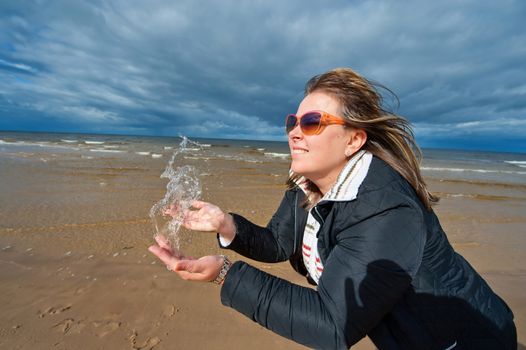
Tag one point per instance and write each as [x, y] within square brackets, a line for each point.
[204, 269]
[205, 216]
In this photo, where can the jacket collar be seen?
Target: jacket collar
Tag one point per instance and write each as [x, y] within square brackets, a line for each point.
[348, 181]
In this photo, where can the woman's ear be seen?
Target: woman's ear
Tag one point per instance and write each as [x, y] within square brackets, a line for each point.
[356, 141]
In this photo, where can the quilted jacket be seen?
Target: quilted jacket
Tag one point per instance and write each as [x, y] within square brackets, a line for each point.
[389, 273]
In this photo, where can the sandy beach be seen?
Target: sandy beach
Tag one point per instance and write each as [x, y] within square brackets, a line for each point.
[76, 273]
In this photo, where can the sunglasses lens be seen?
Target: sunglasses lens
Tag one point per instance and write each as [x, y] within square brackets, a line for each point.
[290, 122]
[310, 123]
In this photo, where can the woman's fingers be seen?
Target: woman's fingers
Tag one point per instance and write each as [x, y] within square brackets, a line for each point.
[163, 242]
[199, 204]
[164, 255]
[189, 270]
[194, 220]
[172, 210]
[204, 269]
[207, 218]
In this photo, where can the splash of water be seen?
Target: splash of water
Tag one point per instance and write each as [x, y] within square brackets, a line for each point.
[182, 189]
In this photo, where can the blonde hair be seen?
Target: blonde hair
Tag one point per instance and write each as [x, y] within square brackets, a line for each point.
[389, 136]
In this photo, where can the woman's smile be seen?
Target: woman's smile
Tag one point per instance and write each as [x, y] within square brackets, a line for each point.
[297, 150]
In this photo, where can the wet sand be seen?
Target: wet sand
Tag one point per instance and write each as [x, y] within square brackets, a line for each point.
[76, 273]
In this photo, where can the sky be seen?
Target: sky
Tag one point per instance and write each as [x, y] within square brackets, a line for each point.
[234, 69]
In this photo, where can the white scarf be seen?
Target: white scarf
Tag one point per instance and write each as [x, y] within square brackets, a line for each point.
[345, 189]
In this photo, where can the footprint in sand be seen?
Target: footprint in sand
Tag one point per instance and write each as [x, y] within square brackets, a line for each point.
[106, 327]
[53, 310]
[148, 344]
[5, 331]
[69, 325]
[170, 311]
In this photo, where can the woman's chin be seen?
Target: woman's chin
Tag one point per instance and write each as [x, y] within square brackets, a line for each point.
[299, 171]
[296, 169]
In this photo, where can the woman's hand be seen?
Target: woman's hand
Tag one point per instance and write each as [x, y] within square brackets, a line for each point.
[204, 216]
[204, 269]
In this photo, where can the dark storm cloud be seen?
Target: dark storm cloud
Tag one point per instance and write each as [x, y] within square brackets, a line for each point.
[234, 69]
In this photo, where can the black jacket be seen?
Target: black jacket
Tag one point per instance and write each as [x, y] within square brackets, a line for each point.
[389, 273]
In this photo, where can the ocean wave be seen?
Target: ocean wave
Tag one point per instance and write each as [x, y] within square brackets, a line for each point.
[477, 196]
[519, 163]
[43, 144]
[456, 195]
[198, 158]
[157, 155]
[277, 155]
[484, 171]
[104, 150]
[141, 153]
[92, 142]
[69, 141]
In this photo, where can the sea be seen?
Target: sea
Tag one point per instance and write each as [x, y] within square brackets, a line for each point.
[438, 164]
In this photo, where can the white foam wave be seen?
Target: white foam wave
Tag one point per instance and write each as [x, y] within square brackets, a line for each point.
[157, 155]
[474, 170]
[42, 144]
[69, 141]
[92, 142]
[143, 153]
[277, 155]
[103, 150]
[168, 147]
[196, 158]
[519, 163]
[457, 195]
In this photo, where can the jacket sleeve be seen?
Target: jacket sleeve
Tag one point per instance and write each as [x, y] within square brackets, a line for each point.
[365, 275]
[273, 243]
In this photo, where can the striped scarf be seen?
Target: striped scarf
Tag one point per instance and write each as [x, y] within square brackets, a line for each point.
[345, 189]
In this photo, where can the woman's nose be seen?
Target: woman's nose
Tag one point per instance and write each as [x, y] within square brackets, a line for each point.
[296, 132]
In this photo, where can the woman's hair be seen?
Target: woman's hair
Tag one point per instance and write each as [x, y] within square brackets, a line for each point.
[389, 136]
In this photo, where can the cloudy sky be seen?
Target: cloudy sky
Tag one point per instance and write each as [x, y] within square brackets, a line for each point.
[234, 69]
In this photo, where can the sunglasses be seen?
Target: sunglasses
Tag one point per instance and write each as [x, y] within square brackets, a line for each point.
[311, 123]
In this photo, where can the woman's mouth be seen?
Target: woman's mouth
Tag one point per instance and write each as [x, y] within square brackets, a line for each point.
[298, 151]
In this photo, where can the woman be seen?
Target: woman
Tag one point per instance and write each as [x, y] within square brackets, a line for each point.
[357, 222]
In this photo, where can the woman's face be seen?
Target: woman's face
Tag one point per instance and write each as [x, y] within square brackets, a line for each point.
[320, 158]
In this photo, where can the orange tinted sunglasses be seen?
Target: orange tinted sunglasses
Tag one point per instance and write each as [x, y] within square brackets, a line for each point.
[312, 122]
